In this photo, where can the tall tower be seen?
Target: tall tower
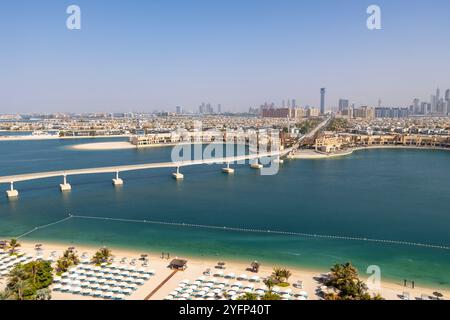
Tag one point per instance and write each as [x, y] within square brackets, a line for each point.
[322, 100]
[447, 95]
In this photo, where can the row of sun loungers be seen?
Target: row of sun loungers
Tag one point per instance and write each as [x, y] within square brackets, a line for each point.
[224, 289]
[107, 281]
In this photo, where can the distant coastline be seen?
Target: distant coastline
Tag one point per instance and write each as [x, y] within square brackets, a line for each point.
[312, 154]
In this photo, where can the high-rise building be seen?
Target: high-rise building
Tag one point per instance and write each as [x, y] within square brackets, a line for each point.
[433, 103]
[447, 95]
[294, 103]
[179, 109]
[415, 106]
[343, 104]
[322, 100]
[219, 108]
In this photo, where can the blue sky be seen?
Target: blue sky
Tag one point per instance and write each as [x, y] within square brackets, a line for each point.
[152, 55]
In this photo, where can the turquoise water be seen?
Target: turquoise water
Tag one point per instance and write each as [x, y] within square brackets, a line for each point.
[383, 194]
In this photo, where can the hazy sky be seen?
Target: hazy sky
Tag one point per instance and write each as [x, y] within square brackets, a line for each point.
[147, 55]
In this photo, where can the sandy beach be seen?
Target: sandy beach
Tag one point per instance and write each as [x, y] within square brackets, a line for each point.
[117, 145]
[196, 268]
[310, 154]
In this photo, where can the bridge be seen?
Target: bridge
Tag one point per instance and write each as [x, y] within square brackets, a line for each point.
[65, 186]
[117, 181]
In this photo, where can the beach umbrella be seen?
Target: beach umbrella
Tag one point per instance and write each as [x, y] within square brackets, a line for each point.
[189, 291]
[82, 277]
[231, 292]
[286, 296]
[76, 283]
[127, 291]
[101, 281]
[208, 284]
[74, 276]
[219, 273]
[201, 279]
[108, 294]
[86, 291]
[185, 295]
[84, 284]
[231, 275]
[57, 286]
[211, 295]
[260, 292]
[201, 293]
[139, 281]
[237, 284]
[255, 279]
[97, 293]
[76, 290]
[119, 296]
[303, 293]
[66, 288]
[248, 290]
[56, 279]
[217, 291]
[94, 286]
[142, 270]
[125, 273]
[116, 289]
[151, 271]
[118, 278]
[145, 276]
[186, 281]
[243, 276]
[104, 288]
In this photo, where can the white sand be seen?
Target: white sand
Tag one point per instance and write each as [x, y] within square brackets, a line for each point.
[118, 145]
[196, 267]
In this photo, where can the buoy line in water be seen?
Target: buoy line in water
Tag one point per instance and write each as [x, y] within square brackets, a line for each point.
[44, 226]
[248, 230]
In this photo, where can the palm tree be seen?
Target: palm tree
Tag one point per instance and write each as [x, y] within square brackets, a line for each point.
[101, 256]
[270, 296]
[5, 294]
[286, 274]
[20, 287]
[269, 284]
[43, 294]
[248, 296]
[13, 245]
[277, 274]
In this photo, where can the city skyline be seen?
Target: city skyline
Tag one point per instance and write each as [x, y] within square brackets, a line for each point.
[148, 57]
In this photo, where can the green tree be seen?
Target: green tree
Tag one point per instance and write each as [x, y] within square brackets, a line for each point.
[344, 279]
[68, 259]
[24, 281]
[13, 245]
[271, 296]
[248, 296]
[104, 255]
[269, 283]
[43, 294]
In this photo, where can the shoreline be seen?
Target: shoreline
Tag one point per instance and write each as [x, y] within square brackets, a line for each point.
[390, 289]
[311, 154]
[40, 138]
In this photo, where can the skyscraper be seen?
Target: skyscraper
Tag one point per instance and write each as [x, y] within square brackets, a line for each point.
[322, 100]
[343, 104]
[179, 109]
[447, 95]
[219, 108]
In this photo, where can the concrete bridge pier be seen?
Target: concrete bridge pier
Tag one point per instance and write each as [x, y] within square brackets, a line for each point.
[117, 181]
[11, 193]
[228, 170]
[177, 175]
[65, 186]
[278, 160]
[256, 165]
